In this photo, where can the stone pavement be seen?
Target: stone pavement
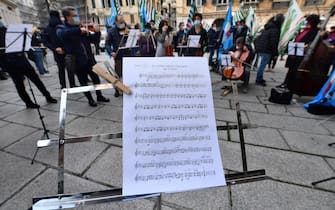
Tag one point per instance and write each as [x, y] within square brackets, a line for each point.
[286, 141]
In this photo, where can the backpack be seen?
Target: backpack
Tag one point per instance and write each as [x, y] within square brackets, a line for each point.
[280, 95]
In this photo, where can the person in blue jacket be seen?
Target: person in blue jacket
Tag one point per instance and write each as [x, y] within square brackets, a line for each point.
[76, 42]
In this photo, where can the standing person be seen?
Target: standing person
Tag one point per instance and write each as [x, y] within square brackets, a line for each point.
[179, 40]
[55, 44]
[306, 36]
[77, 42]
[38, 52]
[146, 45]
[241, 30]
[3, 75]
[266, 45]
[197, 29]
[114, 38]
[164, 39]
[272, 63]
[17, 65]
[213, 38]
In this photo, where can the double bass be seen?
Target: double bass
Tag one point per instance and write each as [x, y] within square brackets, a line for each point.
[313, 71]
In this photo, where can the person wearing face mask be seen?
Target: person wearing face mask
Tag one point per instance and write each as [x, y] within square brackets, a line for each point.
[164, 40]
[146, 43]
[197, 29]
[77, 46]
[213, 37]
[113, 41]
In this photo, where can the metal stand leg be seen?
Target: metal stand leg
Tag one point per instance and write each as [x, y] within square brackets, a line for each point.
[41, 117]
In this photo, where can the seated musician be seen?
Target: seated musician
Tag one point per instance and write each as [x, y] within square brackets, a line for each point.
[306, 36]
[240, 53]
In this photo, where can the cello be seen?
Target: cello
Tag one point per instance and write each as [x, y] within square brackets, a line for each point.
[236, 71]
[313, 71]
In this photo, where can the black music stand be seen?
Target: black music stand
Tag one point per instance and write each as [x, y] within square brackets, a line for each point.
[24, 35]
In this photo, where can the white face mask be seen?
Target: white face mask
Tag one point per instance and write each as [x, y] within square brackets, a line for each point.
[196, 22]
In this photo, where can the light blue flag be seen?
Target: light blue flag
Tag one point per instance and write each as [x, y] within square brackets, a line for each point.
[113, 13]
[144, 15]
[326, 96]
[227, 27]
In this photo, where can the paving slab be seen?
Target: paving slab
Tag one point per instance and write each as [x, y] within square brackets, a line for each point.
[10, 109]
[30, 117]
[3, 123]
[131, 204]
[300, 111]
[329, 125]
[13, 178]
[248, 106]
[108, 168]
[210, 198]
[78, 156]
[45, 185]
[229, 115]
[7, 96]
[331, 161]
[117, 141]
[83, 126]
[259, 136]
[10, 133]
[282, 165]
[278, 109]
[287, 123]
[274, 195]
[310, 143]
[108, 113]
[221, 103]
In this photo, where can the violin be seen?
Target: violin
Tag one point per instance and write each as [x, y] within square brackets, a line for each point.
[236, 71]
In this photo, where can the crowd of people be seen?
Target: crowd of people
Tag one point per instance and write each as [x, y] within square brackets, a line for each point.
[70, 43]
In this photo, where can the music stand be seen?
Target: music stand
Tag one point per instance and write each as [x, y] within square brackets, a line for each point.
[20, 43]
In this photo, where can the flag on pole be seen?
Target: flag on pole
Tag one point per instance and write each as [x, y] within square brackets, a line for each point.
[326, 96]
[158, 22]
[294, 19]
[114, 13]
[252, 23]
[189, 23]
[239, 14]
[227, 38]
[117, 6]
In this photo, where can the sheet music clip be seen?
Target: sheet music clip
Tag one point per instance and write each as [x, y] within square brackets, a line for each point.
[226, 60]
[296, 48]
[106, 75]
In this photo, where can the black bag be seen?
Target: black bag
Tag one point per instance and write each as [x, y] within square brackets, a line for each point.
[31, 55]
[280, 95]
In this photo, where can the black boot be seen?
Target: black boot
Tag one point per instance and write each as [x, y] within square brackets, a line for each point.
[101, 98]
[31, 105]
[51, 100]
[91, 101]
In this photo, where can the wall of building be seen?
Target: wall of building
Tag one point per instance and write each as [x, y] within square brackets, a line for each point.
[9, 12]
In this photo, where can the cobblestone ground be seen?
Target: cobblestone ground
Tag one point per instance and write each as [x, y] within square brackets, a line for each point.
[285, 140]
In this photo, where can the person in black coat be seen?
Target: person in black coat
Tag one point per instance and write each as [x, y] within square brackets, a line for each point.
[18, 67]
[306, 36]
[113, 41]
[56, 46]
[197, 29]
[77, 42]
[266, 45]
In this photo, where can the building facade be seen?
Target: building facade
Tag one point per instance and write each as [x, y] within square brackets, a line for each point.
[177, 10]
[28, 12]
[9, 12]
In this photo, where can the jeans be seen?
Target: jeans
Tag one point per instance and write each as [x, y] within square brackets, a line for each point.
[264, 59]
[211, 54]
[38, 54]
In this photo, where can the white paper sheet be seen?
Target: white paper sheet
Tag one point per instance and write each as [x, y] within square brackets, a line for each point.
[14, 37]
[132, 38]
[296, 48]
[226, 60]
[193, 41]
[170, 139]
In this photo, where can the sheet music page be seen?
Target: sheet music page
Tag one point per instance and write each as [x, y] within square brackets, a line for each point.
[194, 41]
[170, 139]
[226, 60]
[132, 38]
[14, 37]
[296, 48]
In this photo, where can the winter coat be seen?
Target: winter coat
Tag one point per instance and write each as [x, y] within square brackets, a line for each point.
[267, 41]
